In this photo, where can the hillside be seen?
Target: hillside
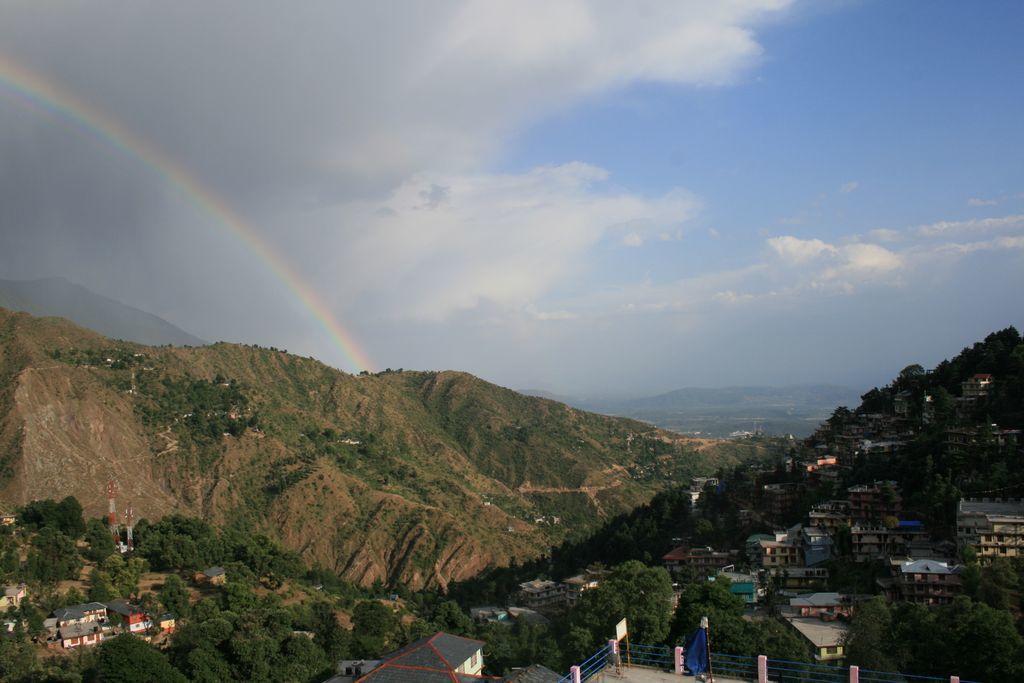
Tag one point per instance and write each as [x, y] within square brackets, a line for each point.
[402, 477]
[58, 297]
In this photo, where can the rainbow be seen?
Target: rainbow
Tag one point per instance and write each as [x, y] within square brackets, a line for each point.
[33, 90]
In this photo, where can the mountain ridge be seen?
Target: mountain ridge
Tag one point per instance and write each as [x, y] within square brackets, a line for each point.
[58, 297]
[405, 477]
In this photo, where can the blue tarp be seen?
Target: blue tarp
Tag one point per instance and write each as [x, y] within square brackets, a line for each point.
[697, 652]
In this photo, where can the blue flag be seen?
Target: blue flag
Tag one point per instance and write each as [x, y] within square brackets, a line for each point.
[697, 652]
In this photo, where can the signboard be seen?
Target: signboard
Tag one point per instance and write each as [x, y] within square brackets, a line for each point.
[621, 630]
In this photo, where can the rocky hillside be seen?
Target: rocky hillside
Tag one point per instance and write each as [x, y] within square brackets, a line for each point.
[415, 477]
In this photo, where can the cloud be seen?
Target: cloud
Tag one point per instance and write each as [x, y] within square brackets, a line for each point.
[938, 228]
[975, 201]
[847, 188]
[497, 239]
[798, 250]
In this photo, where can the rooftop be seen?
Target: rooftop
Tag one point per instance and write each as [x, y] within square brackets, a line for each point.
[928, 567]
[1009, 507]
[819, 633]
[426, 660]
[817, 600]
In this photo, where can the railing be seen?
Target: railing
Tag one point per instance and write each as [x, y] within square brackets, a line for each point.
[742, 667]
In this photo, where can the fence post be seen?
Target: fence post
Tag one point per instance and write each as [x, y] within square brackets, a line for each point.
[574, 671]
[954, 679]
[762, 669]
[679, 660]
[854, 674]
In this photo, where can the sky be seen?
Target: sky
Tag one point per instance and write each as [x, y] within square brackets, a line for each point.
[590, 198]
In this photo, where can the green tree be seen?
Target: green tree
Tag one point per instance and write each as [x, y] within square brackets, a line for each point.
[374, 627]
[634, 591]
[174, 596]
[126, 659]
[869, 642]
[101, 589]
[451, 619]
[53, 557]
[101, 543]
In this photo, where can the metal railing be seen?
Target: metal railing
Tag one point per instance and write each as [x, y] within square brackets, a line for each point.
[742, 667]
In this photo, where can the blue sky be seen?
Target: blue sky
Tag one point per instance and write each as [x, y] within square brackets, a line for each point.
[587, 197]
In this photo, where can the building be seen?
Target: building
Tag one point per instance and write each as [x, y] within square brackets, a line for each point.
[877, 542]
[435, 658]
[773, 554]
[702, 561]
[826, 606]
[697, 486]
[741, 584]
[133, 618]
[826, 637]
[928, 582]
[575, 586]
[977, 386]
[535, 673]
[13, 595]
[81, 625]
[875, 501]
[215, 576]
[994, 527]
[542, 594]
[815, 545]
[901, 403]
[780, 498]
[7, 519]
[166, 623]
[489, 615]
[801, 578]
[830, 515]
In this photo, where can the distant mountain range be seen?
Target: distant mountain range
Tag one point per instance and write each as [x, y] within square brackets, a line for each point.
[796, 409]
[58, 297]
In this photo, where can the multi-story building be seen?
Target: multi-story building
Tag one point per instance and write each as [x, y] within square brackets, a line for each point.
[801, 578]
[831, 515]
[697, 486]
[81, 625]
[542, 594]
[875, 501]
[977, 386]
[702, 561]
[928, 582]
[877, 542]
[780, 498]
[815, 545]
[575, 586]
[773, 554]
[994, 527]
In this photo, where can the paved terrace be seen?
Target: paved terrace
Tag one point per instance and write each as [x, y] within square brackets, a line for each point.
[639, 674]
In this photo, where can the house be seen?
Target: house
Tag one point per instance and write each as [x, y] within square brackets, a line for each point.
[542, 593]
[215, 576]
[741, 584]
[929, 582]
[535, 673]
[440, 657]
[815, 544]
[772, 554]
[823, 605]
[697, 486]
[801, 578]
[81, 625]
[874, 501]
[830, 515]
[976, 386]
[7, 519]
[826, 637]
[166, 623]
[877, 542]
[994, 527]
[489, 615]
[13, 595]
[134, 619]
[780, 498]
[702, 561]
[574, 586]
